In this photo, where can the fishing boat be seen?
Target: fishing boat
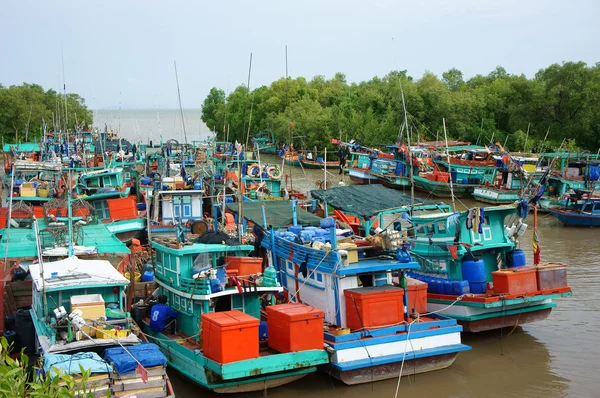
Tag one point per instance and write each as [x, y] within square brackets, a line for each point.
[217, 342]
[461, 172]
[106, 191]
[374, 330]
[80, 320]
[573, 172]
[475, 273]
[514, 176]
[581, 209]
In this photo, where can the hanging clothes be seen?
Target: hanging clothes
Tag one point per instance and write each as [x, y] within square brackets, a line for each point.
[470, 219]
[481, 220]
[476, 219]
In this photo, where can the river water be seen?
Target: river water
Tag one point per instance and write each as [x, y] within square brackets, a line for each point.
[557, 357]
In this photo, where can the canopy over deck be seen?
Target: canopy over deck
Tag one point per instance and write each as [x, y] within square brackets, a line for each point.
[278, 213]
[366, 201]
[73, 272]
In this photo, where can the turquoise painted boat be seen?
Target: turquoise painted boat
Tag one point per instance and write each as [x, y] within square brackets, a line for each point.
[106, 191]
[442, 188]
[384, 340]
[191, 296]
[485, 309]
[80, 320]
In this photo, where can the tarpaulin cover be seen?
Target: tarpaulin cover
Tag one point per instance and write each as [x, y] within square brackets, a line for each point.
[365, 200]
[278, 213]
[69, 364]
[147, 354]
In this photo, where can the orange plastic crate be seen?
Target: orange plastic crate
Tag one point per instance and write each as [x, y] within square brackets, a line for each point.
[122, 208]
[370, 307]
[417, 295]
[520, 280]
[295, 327]
[229, 336]
[551, 276]
[244, 265]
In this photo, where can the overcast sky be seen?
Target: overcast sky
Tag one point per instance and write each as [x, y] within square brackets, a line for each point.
[123, 51]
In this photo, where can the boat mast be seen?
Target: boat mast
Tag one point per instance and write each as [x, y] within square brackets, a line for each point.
[246, 103]
[449, 166]
[180, 105]
[410, 163]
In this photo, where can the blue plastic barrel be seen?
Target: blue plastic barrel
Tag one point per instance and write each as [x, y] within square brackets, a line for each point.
[460, 287]
[473, 271]
[518, 258]
[447, 287]
[477, 287]
[148, 276]
[262, 330]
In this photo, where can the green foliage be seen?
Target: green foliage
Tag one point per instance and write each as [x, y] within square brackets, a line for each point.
[562, 97]
[15, 380]
[27, 106]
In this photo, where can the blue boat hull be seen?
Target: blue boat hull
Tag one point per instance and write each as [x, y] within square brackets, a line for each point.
[573, 219]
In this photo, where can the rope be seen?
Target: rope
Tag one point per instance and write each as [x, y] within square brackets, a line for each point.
[403, 358]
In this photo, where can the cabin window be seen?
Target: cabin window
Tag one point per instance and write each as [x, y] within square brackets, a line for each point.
[102, 209]
[319, 277]
[365, 280]
[430, 229]
[587, 208]
[420, 229]
[159, 257]
[222, 303]
[290, 266]
[441, 227]
[311, 275]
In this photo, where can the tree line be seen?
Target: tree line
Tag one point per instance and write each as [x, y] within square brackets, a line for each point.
[25, 109]
[561, 102]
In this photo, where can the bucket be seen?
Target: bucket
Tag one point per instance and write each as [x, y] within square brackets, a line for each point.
[262, 330]
[148, 276]
[139, 312]
[138, 276]
[25, 330]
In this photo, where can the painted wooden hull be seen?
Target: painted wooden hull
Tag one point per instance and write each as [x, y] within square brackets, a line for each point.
[575, 219]
[126, 230]
[362, 177]
[308, 164]
[482, 316]
[392, 370]
[255, 374]
[442, 189]
[495, 196]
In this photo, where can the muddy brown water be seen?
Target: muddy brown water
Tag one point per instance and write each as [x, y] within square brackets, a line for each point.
[557, 357]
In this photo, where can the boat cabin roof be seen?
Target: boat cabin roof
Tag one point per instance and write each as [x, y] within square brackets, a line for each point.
[75, 273]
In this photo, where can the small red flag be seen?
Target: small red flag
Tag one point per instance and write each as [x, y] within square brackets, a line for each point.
[142, 372]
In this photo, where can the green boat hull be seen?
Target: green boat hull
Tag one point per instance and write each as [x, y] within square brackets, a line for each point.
[255, 374]
[442, 189]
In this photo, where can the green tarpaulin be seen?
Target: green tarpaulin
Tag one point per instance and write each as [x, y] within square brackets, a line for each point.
[366, 201]
[277, 212]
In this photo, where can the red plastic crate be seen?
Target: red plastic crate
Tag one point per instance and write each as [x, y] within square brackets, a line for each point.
[244, 265]
[229, 336]
[370, 307]
[122, 208]
[417, 295]
[520, 280]
[295, 327]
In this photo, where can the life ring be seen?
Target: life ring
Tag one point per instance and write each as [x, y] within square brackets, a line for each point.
[273, 172]
[252, 170]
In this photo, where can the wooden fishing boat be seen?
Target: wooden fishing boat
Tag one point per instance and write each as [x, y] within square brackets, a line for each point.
[367, 342]
[79, 318]
[448, 251]
[578, 212]
[190, 275]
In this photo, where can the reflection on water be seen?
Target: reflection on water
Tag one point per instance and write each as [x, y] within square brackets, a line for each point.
[553, 358]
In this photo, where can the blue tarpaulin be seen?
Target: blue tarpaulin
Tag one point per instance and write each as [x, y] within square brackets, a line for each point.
[147, 354]
[594, 173]
[69, 364]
